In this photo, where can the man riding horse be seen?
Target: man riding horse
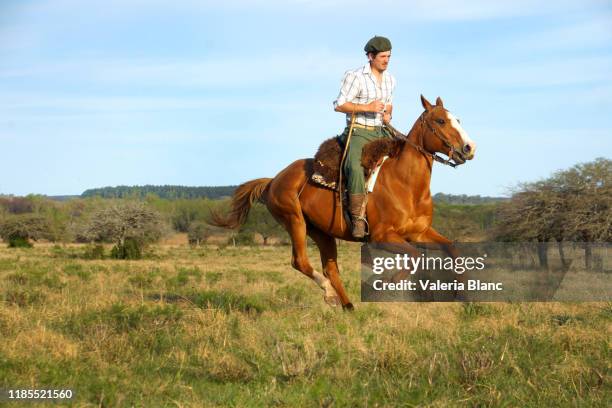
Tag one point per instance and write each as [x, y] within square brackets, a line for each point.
[400, 211]
[365, 97]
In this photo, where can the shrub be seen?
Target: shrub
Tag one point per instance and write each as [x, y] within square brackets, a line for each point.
[94, 252]
[198, 233]
[242, 238]
[18, 230]
[130, 226]
[19, 242]
[130, 249]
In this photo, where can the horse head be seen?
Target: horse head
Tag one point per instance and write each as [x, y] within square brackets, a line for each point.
[441, 132]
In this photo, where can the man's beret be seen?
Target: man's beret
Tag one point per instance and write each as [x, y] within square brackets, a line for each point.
[378, 44]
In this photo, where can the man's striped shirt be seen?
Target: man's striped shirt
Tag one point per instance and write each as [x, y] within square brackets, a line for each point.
[360, 86]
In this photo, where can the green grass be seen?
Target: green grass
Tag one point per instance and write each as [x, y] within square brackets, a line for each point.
[238, 327]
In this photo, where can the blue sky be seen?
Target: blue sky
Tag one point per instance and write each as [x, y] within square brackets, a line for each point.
[102, 93]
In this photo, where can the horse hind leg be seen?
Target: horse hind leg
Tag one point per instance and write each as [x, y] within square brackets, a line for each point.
[329, 262]
[296, 226]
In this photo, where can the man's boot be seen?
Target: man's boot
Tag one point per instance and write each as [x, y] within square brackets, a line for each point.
[358, 210]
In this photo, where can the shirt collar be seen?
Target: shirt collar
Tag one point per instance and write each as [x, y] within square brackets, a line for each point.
[368, 70]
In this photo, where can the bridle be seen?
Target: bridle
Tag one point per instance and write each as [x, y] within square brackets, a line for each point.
[420, 146]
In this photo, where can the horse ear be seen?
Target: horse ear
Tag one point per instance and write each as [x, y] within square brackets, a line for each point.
[439, 102]
[425, 103]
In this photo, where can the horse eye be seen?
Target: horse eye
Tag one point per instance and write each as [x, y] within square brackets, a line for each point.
[458, 120]
[440, 121]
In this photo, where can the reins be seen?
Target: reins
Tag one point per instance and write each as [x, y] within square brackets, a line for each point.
[398, 135]
[346, 147]
[419, 147]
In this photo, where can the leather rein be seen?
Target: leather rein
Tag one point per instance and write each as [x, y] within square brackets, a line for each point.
[419, 147]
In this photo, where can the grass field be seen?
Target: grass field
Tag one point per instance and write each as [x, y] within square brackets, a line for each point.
[238, 327]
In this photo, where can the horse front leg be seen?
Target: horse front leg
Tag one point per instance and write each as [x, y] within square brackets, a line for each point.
[433, 236]
[394, 243]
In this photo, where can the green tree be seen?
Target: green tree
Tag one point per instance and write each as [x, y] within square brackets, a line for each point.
[17, 205]
[464, 223]
[130, 226]
[261, 222]
[571, 205]
[20, 229]
[199, 233]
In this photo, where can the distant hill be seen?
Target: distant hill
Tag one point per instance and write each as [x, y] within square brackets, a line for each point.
[167, 192]
[466, 199]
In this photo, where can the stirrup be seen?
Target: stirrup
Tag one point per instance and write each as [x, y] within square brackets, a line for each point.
[367, 225]
[366, 228]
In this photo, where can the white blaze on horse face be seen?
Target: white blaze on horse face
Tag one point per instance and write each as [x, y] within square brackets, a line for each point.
[463, 134]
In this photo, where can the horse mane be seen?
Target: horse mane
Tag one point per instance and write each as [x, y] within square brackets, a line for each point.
[374, 151]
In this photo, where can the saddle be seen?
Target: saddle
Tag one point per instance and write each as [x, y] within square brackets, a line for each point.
[326, 165]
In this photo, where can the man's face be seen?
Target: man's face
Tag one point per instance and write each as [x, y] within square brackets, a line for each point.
[380, 61]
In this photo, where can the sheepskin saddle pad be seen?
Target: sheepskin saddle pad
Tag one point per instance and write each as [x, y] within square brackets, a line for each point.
[326, 163]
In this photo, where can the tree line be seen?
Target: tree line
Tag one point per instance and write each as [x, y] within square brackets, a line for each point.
[462, 199]
[169, 192]
[172, 192]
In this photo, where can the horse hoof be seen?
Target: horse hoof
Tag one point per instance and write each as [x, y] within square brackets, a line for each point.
[348, 307]
[332, 300]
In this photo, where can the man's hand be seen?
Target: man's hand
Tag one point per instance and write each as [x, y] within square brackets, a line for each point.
[386, 117]
[375, 106]
[388, 113]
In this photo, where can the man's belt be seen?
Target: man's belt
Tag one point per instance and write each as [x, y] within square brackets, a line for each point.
[359, 125]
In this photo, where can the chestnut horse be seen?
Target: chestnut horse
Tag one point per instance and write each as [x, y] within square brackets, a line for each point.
[399, 210]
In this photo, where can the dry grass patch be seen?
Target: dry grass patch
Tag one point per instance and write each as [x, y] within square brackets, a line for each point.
[40, 341]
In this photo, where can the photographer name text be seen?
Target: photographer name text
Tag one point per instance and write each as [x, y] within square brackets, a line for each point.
[437, 285]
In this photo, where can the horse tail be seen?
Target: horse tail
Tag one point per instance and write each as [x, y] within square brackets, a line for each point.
[244, 197]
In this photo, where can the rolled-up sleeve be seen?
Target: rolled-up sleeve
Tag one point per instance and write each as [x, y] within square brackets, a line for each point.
[348, 90]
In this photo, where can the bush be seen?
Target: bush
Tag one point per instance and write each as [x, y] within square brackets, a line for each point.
[18, 230]
[242, 238]
[130, 226]
[198, 233]
[17, 205]
[94, 252]
[130, 249]
[260, 221]
[19, 242]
